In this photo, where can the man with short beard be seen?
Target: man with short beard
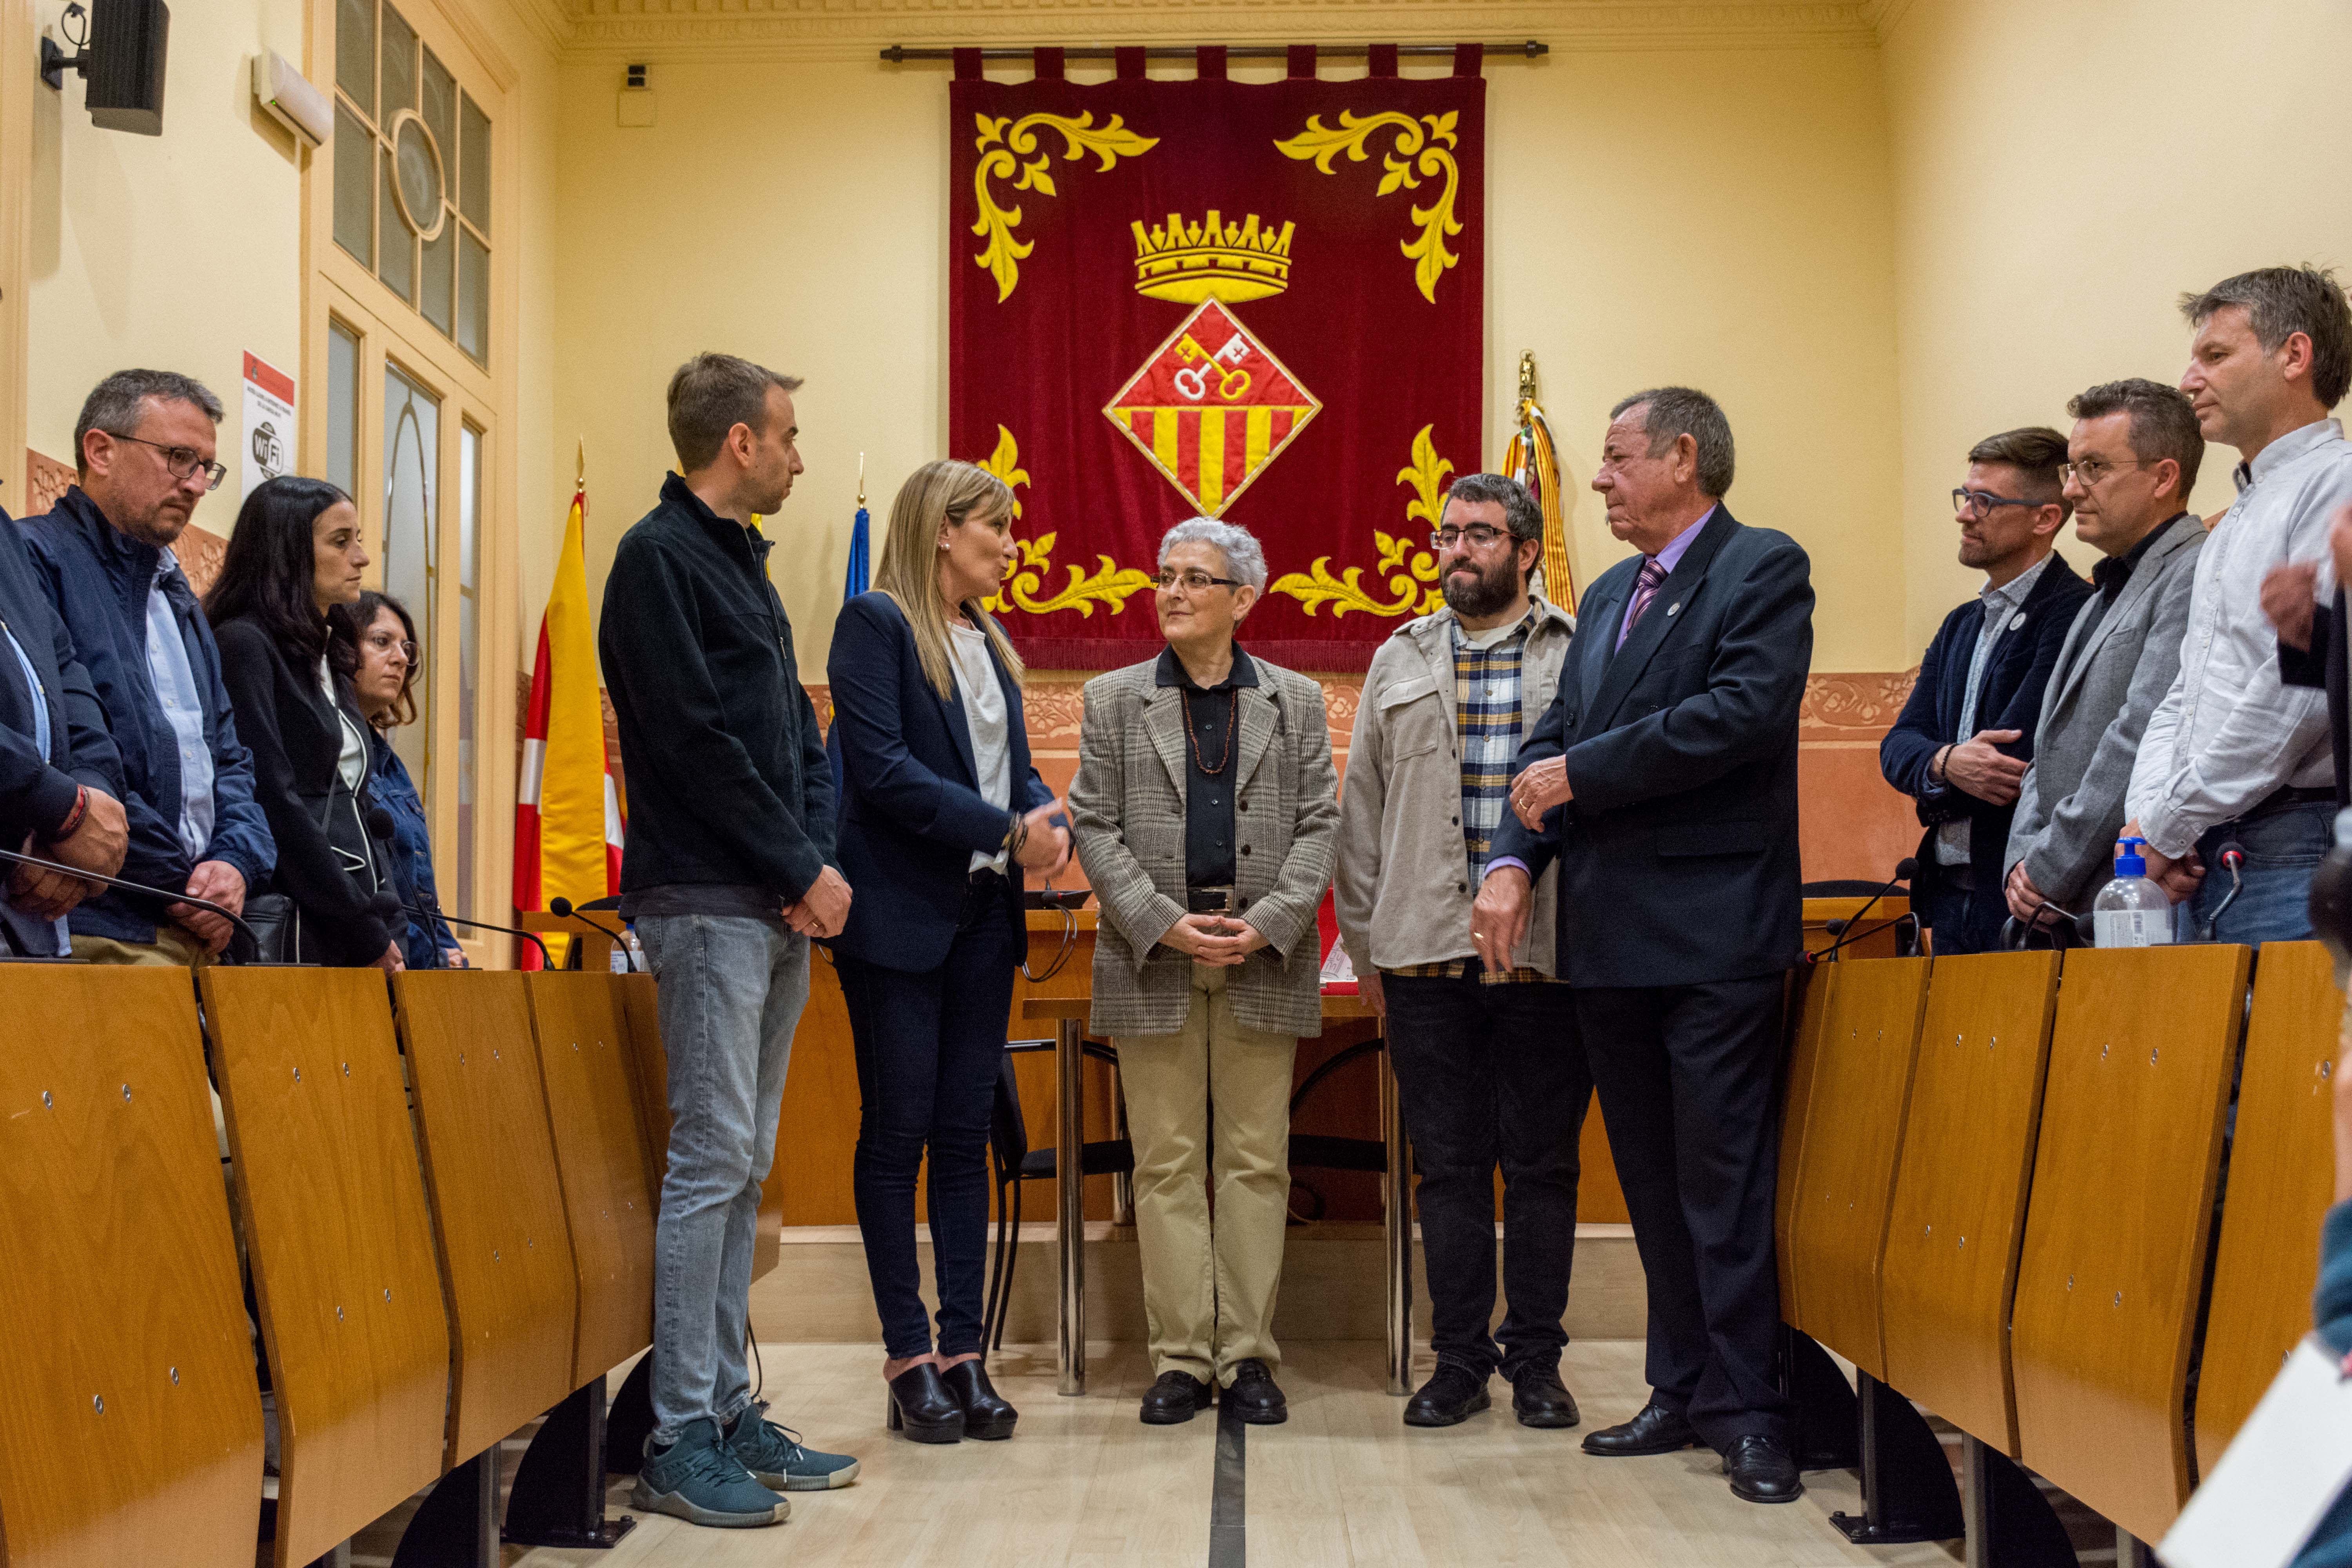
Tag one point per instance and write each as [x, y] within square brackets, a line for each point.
[1489, 1064]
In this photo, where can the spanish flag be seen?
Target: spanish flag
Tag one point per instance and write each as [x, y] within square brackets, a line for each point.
[568, 822]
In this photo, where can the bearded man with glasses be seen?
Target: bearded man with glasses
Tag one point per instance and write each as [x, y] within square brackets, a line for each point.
[1204, 811]
[144, 460]
[1964, 740]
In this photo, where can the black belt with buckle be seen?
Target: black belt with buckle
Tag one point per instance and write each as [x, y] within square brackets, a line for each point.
[1209, 901]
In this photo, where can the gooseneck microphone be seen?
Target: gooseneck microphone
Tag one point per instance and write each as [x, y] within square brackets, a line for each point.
[253, 942]
[1843, 930]
[563, 909]
[437, 913]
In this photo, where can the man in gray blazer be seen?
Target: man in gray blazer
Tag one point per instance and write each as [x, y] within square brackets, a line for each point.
[2131, 461]
[1206, 814]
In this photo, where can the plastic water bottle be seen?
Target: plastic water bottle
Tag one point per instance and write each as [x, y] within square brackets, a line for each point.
[2131, 911]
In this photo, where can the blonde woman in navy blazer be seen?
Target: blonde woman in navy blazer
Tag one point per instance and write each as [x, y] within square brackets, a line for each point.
[942, 817]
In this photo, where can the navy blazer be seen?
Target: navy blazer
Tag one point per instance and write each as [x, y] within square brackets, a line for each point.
[37, 789]
[911, 814]
[1678, 852]
[99, 578]
[2017, 673]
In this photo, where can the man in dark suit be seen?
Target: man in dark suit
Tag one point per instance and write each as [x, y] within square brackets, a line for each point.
[1961, 748]
[1663, 780]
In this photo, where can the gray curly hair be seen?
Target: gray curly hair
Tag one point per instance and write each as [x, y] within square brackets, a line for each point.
[1243, 557]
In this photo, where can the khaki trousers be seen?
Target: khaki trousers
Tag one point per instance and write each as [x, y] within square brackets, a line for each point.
[1209, 1289]
[172, 946]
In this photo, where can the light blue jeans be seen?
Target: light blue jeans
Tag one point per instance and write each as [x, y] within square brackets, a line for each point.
[731, 992]
[2283, 850]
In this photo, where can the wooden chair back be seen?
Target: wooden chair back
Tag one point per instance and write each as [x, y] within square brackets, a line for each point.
[2282, 1162]
[1860, 1083]
[489, 1170]
[132, 1428]
[1958, 1211]
[1811, 991]
[599, 1156]
[2120, 1222]
[341, 1241]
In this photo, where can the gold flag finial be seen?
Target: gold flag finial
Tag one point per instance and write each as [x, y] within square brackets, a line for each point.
[582, 476]
[861, 478]
[1527, 375]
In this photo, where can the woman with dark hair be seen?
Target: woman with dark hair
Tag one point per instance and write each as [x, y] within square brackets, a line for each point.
[296, 553]
[383, 638]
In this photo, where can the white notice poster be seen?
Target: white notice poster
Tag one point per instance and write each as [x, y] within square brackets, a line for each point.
[268, 422]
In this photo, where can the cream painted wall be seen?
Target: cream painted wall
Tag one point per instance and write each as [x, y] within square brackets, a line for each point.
[2064, 172]
[177, 252]
[1715, 217]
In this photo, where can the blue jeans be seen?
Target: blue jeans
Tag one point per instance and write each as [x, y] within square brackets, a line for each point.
[930, 1047]
[2283, 849]
[731, 992]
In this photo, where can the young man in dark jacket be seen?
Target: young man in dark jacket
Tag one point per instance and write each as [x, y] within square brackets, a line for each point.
[728, 870]
[143, 456]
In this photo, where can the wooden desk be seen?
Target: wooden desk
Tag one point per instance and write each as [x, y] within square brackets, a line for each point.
[1068, 1015]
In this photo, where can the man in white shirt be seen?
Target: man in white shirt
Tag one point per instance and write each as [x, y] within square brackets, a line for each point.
[2232, 758]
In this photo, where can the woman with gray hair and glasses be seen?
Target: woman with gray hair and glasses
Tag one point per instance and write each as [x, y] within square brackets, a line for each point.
[1206, 813]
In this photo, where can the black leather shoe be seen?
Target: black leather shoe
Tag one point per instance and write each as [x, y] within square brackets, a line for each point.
[1541, 1399]
[1174, 1399]
[985, 1416]
[1254, 1391]
[1762, 1470]
[1656, 1430]
[1452, 1395]
[921, 1406]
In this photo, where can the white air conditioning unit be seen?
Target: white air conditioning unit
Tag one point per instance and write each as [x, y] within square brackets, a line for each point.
[290, 98]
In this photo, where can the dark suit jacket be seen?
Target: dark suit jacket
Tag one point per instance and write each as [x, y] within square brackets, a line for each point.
[2323, 665]
[1678, 853]
[911, 813]
[38, 789]
[2017, 673]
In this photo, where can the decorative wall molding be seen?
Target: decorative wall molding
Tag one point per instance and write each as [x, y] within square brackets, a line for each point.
[773, 29]
[46, 479]
[1854, 705]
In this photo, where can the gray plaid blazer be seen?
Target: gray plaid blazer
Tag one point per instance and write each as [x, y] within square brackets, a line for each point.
[1127, 813]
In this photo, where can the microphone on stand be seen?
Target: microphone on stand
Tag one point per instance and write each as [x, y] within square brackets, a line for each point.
[385, 903]
[254, 942]
[1843, 930]
[563, 909]
[2232, 857]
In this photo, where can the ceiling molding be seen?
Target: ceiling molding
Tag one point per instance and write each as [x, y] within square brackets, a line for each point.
[847, 29]
[549, 21]
[1884, 16]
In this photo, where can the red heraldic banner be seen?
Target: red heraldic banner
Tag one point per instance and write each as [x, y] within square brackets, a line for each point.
[1261, 303]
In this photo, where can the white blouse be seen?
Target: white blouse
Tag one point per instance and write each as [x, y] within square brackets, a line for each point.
[985, 715]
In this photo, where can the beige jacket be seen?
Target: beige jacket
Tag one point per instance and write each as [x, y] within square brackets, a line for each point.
[1127, 817]
[1404, 890]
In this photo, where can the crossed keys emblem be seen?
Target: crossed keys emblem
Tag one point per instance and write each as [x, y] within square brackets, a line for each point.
[1193, 381]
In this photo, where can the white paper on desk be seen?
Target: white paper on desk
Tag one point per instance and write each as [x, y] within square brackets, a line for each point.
[2280, 1474]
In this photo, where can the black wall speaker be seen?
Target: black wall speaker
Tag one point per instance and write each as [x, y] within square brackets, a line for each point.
[125, 65]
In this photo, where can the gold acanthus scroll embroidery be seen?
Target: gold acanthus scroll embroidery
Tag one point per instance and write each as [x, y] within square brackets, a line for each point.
[1002, 150]
[1423, 147]
[1411, 584]
[1108, 583]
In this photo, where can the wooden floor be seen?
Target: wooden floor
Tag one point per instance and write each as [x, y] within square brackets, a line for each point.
[1344, 1482]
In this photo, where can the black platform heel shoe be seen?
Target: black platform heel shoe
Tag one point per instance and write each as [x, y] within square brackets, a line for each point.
[921, 1406]
[985, 1416]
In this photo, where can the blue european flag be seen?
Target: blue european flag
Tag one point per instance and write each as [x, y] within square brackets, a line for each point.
[856, 583]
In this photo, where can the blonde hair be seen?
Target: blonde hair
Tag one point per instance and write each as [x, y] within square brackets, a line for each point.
[941, 494]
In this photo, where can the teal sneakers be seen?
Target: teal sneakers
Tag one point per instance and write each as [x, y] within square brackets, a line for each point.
[775, 1458]
[700, 1479]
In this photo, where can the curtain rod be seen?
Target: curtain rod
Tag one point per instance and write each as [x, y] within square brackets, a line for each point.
[898, 53]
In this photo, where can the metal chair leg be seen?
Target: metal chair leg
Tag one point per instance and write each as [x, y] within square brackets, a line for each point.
[1070, 1211]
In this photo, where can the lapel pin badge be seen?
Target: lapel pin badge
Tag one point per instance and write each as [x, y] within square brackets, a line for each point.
[2017, 620]
[1673, 607]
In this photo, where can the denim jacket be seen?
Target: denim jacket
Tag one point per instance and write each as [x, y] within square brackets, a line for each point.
[424, 944]
[98, 577]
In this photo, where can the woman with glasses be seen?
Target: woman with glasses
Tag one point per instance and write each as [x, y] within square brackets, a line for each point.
[941, 818]
[295, 555]
[384, 639]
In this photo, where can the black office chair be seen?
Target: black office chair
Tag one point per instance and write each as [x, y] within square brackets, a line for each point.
[1017, 1163]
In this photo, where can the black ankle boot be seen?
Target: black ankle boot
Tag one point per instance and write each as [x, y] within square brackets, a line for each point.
[985, 1416]
[921, 1406]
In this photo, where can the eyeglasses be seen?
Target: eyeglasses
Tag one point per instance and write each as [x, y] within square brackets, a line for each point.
[1979, 504]
[384, 642]
[182, 462]
[2091, 471]
[1194, 582]
[1477, 534]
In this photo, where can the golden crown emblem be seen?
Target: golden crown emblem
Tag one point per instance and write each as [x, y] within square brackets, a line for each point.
[1212, 260]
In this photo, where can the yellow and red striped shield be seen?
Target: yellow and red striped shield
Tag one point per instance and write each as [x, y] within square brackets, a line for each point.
[1211, 407]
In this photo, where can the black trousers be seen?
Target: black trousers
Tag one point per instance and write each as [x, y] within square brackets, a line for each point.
[1689, 1081]
[1492, 1075]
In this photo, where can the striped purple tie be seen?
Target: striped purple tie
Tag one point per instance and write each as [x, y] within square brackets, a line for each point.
[1645, 588]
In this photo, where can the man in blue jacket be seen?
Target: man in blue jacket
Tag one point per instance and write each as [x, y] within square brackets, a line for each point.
[144, 459]
[1966, 737]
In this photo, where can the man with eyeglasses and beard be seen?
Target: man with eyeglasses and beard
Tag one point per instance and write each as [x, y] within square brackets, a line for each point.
[1489, 1064]
[1966, 737]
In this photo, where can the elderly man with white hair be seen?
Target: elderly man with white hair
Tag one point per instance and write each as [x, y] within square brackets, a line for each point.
[1205, 812]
